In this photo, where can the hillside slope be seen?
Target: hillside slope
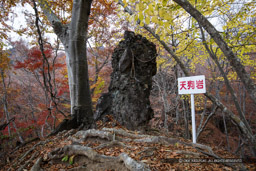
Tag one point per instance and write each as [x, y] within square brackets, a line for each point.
[115, 148]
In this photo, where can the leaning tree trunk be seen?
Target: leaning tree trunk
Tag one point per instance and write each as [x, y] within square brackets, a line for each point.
[74, 37]
[134, 65]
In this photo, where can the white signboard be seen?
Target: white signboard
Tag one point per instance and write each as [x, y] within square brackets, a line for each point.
[192, 85]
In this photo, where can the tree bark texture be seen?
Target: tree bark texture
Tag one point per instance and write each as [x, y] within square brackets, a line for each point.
[78, 61]
[74, 37]
[134, 65]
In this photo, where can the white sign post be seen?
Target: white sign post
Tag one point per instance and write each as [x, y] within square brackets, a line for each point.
[192, 85]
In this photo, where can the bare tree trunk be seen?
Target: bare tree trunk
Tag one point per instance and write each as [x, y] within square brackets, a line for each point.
[7, 119]
[6, 109]
[186, 118]
[177, 96]
[229, 87]
[78, 60]
[7, 114]
[203, 114]
[177, 99]
[5, 102]
[18, 132]
[201, 128]
[32, 113]
[226, 131]
[74, 37]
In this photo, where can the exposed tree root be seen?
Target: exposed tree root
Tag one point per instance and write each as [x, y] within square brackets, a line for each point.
[147, 152]
[66, 124]
[36, 166]
[28, 161]
[25, 143]
[110, 134]
[203, 147]
[20, 160]
[125, 133]
[132, 164]
[64, 133]
[70, 150]
[142, 138]
[112, 143]
[113, 137]
[81, 136]
[158, 139]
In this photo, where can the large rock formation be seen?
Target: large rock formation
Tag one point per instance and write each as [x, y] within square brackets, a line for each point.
[134, 65]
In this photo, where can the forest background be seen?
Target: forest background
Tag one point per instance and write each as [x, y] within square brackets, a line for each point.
[35, 91]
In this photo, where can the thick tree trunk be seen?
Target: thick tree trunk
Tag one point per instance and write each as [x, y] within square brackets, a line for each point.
[233, 59]
[78, 61]
[74, 37]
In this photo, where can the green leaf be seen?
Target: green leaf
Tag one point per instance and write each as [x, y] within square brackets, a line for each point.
[141, 24]
[64, 159]
[150, 7]
[158, 30]
[136, 18]
[130, 19]
[141, 6]
[71, 159]
[154, 19]
[137, 8]
[177, 144]
[164, 2]
[147, 20]
[141, 16]
[161, 13]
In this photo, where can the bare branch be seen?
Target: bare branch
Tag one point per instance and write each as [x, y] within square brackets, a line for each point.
[59, 28]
